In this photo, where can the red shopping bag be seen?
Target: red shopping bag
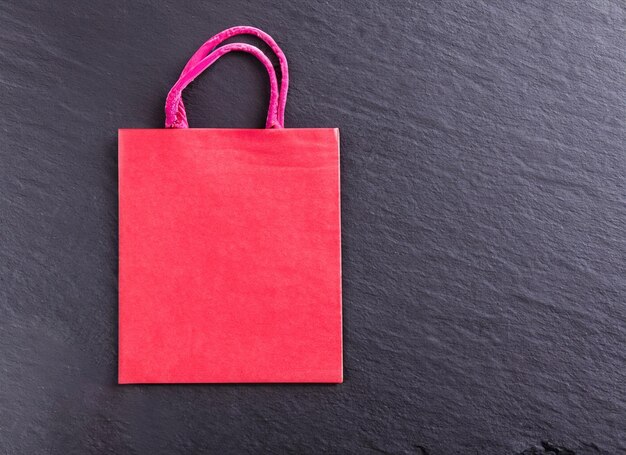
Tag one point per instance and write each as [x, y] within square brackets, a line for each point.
[229, 244]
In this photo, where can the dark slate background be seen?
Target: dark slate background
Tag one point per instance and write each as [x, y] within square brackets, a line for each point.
[484, 222]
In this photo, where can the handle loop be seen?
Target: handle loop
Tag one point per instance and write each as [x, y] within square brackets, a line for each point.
[175, 115]
[175, 110]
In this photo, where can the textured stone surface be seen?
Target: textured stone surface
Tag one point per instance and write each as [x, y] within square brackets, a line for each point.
[484, 222]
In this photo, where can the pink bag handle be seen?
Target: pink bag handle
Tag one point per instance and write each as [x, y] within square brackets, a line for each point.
[175, 115]
[175, 110]
[216, 40]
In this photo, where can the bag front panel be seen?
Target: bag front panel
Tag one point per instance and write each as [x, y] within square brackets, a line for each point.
[229, 256]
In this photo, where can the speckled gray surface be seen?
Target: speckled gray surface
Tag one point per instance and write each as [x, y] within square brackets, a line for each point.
[484, 222]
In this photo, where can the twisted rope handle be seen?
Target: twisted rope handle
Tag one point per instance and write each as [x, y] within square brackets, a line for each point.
[175, 114]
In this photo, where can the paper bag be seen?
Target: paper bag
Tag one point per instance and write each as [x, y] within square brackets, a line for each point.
[229, 245]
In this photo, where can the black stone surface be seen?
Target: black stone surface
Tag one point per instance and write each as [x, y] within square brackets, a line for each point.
[484, 222]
